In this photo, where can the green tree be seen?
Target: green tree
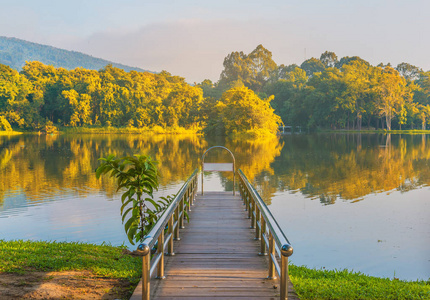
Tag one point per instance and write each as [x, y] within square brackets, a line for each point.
[408, 71]
[287, 95]
[14, 98]
[329, 59]
[357, 77]
[252, 70]
[312, 65]
[349, 59]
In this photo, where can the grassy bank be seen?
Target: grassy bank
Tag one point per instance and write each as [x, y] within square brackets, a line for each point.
[383, 131]
[10, 132]
[334, 284]
[128, 130]
[23, 258]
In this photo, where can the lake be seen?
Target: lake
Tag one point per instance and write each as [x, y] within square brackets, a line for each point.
[355, 201]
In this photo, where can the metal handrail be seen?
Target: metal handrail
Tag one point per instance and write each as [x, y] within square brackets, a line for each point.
[234, 163]
[173, 218]
[268, 231]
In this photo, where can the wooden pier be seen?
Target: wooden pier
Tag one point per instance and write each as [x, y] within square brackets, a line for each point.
[216, 256]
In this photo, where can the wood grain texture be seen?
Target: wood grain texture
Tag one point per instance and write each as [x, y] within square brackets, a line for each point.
[217, 256]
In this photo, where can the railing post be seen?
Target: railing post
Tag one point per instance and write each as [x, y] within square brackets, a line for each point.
[257, 220]
[146, 267]
[182, 210]
[242, 191]
[286, 251]
[252, 214]
[192, 192]
[176, 235]
[170, 246]
[263, 242]
[272, 270]
[245, 200]
[189, 198]
[248, 204]
[160, 250]
[202, 179]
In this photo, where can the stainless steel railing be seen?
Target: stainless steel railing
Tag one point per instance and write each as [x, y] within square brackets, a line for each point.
[273, 240]
[173, 218]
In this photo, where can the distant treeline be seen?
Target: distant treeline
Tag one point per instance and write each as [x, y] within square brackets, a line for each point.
[322, 93]
[330, 93]
[40, 96]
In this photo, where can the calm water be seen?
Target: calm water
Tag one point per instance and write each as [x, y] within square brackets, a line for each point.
[360, 202]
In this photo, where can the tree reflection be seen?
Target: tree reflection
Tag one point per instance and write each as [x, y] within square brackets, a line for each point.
[329, 167]
[253, 157]
[326, 167]
[42, 166]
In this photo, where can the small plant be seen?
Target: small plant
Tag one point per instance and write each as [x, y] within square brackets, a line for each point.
[138, 175]
[49, 128]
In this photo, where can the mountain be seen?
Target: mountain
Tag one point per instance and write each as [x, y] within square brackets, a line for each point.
[15, 52]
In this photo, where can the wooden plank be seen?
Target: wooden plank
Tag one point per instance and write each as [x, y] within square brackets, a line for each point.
[217, 256]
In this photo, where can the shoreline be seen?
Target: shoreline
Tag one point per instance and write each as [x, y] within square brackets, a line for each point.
[29, 257]
[198, 132]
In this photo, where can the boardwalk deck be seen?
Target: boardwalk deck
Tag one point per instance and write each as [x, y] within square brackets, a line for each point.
[217, 256]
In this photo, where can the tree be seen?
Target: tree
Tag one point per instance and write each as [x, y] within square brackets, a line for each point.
[252, 70]
[329, 59]
[325, 101]
[286, 92]
[80, 104]
[408, 71]
[347, 60]
[4, 124]
[424, 115]
[392, 92]
[312, 65]
[422, 94]
[241, 111]
[262, 66]
[14, 103]
[357, 77]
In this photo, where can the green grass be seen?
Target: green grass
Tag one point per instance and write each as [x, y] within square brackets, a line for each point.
[107, 261]
[335, 284]
[25, 256]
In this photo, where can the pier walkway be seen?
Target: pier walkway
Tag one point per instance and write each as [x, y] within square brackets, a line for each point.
[216, 256]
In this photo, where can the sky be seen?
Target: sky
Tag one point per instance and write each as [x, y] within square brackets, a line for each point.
[191, 38]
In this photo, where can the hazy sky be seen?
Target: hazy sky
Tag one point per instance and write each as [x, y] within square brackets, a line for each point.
[191, 38]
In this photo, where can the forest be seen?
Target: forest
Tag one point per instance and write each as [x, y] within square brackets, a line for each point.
[253, 97]
[329, 93]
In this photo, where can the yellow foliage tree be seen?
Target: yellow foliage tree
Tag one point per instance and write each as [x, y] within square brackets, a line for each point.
[243, 113]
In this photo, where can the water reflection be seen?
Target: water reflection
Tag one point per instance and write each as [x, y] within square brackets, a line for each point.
[48, 190]
[349, 167]
[253, 157]
[324, 167]
[44, 166]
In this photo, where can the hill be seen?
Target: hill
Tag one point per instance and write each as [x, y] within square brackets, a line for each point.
[15, 52]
